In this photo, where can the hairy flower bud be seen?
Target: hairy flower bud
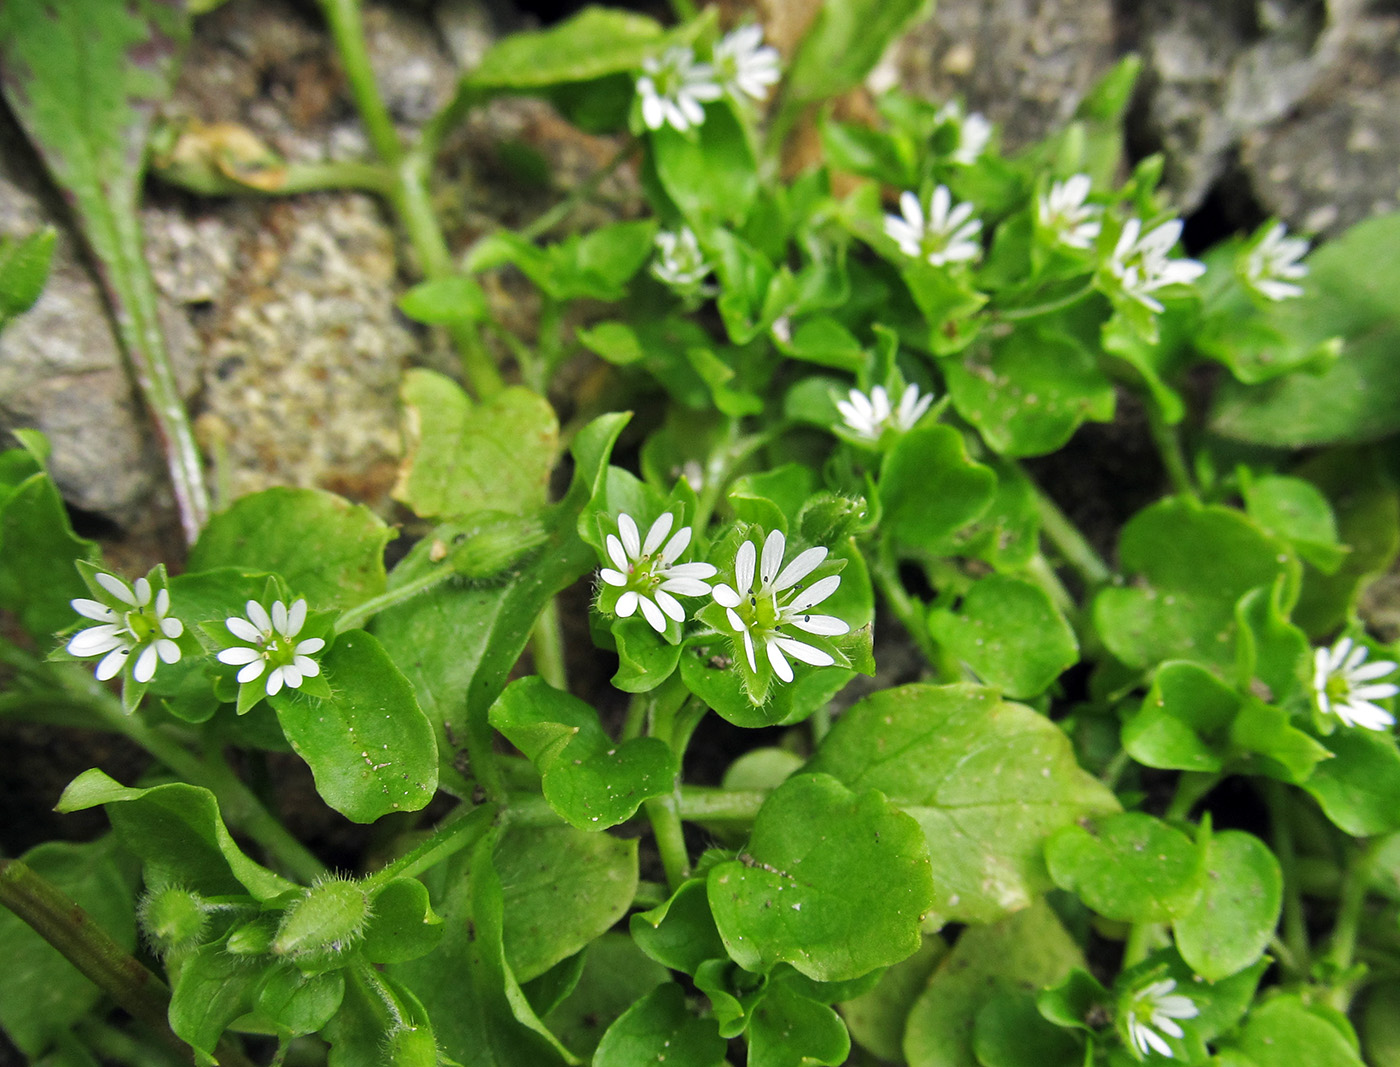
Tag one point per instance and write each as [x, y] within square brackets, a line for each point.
[174, 918]
[252, 939]
[495, 542]
[327, 920]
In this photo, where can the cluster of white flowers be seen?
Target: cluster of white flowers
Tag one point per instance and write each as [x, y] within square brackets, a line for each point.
[766, 597]
[1141, 261]
[974, 132]
[1063, 212]
[946, 234]
[679, 261]
[764, 604]
[868, 417]
[648, 574]
[1271, 266]
[675, 86]
[1153, 1011]
[1346, 686]
[135, 619]
[270, 642]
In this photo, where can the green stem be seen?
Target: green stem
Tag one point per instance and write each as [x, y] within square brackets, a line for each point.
[696, 803]
[720, 466]
[665, 817]
[1046, 308]
[1190, 788]
[361, 613]
[580, 193]
[295, 178]
[547, 646]
[59, 920]
[675, 714]
[1067, 539]
[1142, 939]
[462, 829]
[408, 193]
[908, 610]
[1350, 911]
[1168, 443]
[1295, 931]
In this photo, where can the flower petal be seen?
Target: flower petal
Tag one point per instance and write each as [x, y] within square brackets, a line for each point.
[96, 640]
[112, 664]
[238, 654]
[771, 560]
[92, 609]
[279, 617]
[142, 588]
[821, 625]
[669, 604]
[659, 529]
[781, 667]
[676, 546]
[685, 587]
[612, 577]
[748, 651]
[145, 668]
[806, 653]
[805, 563]
[726, 597]
[652, 614]
[308, 667]
[815, 593]
[296, 618]
[744, 567]
[168, 650]
[626, 604]
[258, 616]
[243, 629]
[116, 587]
[252, 670]
[274, 681]
[631, 539]
[172, 627]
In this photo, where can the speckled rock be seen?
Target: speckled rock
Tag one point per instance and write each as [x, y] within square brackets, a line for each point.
[1025, 64]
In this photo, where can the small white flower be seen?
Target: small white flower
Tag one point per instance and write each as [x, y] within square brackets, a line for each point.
[648, 573]
[948, 235]
[271, 642]
[766, 598]
[673, 87]
[974, 131]
[1340, 683]
[1140, 261]
[1272, 269]
[1064, 213]
[679, 262]
[1155, 1008]
[134, 619]
[870, 416]
[744, 64]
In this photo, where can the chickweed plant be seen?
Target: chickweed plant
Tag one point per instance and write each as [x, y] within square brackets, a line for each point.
[1123, 794]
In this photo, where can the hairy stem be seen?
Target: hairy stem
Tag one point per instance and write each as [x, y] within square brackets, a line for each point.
[547, 647]
[462, 829]
[1168, 442]
[58, 919]
[1295, 931]
[361, 613]
[1068, 541]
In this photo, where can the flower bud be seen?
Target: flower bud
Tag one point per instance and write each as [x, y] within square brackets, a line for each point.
[495, 542]
[174, 919]
[252, 939]
[828, 518]
[412, 1046]
[328, 919]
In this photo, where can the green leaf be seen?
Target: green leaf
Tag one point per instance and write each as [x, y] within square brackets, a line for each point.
[801, 891]
[824, 341]
[930, 488]
[876, 1019]
[402, 925]
[1380, 1024]
[645, 660]
[297, 1003]
[369, 746]
[660, 1027]
[24, 268]
[211, 989]
[1010, 633]
[1351, 292]
[1284, 1032]
[560, 888]
[461, 457]
[177, 831]
[949, 305]
[615, 976]
[1239, 907]
[1009, 1031]
[329, 550]
[457, 681]
[589, 779]
[988, 781]
[844, 44]
[681, 933]
[1297, 512]
[1028, 950]
[710, 172]
[788, 1030]
[1193, 563]
[1130, 867]
[41, 993]
[1270, 648]
[596, 42]
[446, 301]
[1027, 394]
[37, 545]
[380, 1024]
[1360, 788]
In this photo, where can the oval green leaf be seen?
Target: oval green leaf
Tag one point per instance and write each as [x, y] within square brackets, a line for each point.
[1239, 907]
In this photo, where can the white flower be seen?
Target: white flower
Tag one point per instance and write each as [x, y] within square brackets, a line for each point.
[649, 575]
[1140, 261]
[136, 619]
[765, 598]
[869, 416]
[744, 64]
[1271, 268]
[271, 642]
[1156, 1007]
[1340, 677]
[673, 88]
[1064, 213]
[948, 235]
[679, 261]
[974, 131]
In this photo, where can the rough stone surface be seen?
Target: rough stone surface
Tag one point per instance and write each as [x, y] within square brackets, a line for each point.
[1025, 64]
